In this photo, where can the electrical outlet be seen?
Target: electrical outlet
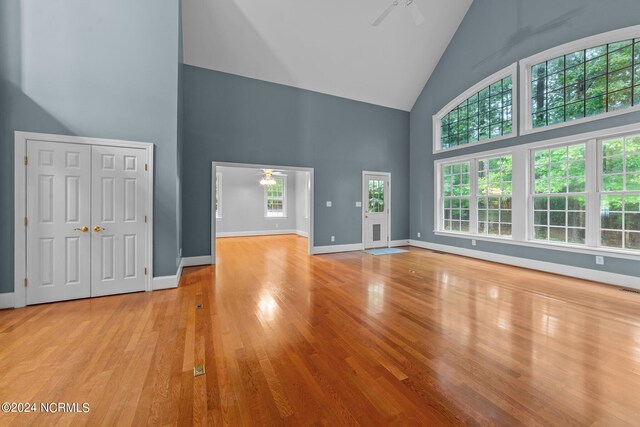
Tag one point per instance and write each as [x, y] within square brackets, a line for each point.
[473, 242]
[358, 204]
[328, 203]
[277, 225]
[333, 238]
[418, 234]
[599, 260]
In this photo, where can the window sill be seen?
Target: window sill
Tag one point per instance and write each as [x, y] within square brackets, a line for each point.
[615, 253]
[276, 217]
[474, 144]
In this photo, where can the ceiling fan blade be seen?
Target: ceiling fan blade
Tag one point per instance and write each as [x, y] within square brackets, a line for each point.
[384, 14]
[418, 17]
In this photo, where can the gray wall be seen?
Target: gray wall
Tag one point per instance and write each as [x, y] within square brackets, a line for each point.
[91, 68]
[236, 119]
[243, 202]
[494, 34]
[302, 201]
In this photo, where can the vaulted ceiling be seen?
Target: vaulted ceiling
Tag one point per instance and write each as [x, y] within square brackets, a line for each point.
[327, 46]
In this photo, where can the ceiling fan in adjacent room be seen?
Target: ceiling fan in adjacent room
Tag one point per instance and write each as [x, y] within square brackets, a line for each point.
[410, 5]
[267, 176]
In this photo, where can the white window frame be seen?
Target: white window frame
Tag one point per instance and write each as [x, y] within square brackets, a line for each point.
[511, 70]
[267, 215]
[526, 127]
[522, 210]
[218, 194]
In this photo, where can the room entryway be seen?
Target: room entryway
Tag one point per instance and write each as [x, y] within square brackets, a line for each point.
[86, 223]
[253, 201]
[376, 194]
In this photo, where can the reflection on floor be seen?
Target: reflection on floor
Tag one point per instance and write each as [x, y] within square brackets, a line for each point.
[413, 338]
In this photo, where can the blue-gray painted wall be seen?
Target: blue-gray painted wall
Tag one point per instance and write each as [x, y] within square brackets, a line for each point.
[105, 69]
[493, 35]
[236, 119]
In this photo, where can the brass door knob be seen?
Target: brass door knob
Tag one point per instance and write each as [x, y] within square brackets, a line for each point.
[83, 229]
[98, 229]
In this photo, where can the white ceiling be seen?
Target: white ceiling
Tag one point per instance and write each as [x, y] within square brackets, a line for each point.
[326, 46]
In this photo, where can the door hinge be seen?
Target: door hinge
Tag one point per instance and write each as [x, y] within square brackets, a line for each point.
[146, 167]
[145, 271]
[26, 160]
[26, 221]
[26, 282]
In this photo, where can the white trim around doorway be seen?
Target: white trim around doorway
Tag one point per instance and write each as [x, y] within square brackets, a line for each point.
[214, 176]
[20, 201]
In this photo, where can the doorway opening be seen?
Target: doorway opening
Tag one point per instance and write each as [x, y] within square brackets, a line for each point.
[253, 201]
[376, 209]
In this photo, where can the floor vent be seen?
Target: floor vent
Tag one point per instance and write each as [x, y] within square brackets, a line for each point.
[198, 306]
[198, 370]
[633, 291]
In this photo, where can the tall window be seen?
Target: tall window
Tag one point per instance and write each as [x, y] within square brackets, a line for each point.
[481, 114]
[494, 196]
[456, 198]
[620, 198]
[275, 204]
[559, 199]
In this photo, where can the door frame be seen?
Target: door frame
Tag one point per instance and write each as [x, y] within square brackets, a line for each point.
[215, 165]
[20, 201]
[365, 198]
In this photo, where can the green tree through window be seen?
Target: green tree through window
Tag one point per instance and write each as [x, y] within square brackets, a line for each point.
[485, 115]
[586, 83]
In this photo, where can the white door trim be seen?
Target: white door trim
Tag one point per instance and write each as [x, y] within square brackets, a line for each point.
[20, 201]
[215, 165]
[388, 175]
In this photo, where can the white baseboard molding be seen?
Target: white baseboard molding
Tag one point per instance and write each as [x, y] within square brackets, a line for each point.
[548, 267]
[165, 282]
[396, 243]
[192, 261]
[302, 233]
[6, 300]
[253, 233]
[318, 250]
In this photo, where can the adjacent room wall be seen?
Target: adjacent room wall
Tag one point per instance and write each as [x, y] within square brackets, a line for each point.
[229, 118]
[243, 202]
[494, 34]
[302, 202]
[104, 69]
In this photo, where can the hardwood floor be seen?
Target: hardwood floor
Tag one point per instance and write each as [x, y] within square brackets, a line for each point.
[413, 338]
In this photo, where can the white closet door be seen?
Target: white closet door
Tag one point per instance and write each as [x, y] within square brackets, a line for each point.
[58, 207]
[118, 209]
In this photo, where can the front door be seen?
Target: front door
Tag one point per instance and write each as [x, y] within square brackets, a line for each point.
[376, 211]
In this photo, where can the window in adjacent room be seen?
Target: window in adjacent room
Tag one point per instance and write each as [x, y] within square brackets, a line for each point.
[456, 197]
[218, 195]
[620, 192]
[494, 196]
[275, 202]
[559, 198]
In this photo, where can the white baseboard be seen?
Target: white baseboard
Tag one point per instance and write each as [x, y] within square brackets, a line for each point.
[196, 260]
[302, 233]
[549, 267]
[317, 250]
[6, 300]
[396, 243]
[165, 282]
[253, 233]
